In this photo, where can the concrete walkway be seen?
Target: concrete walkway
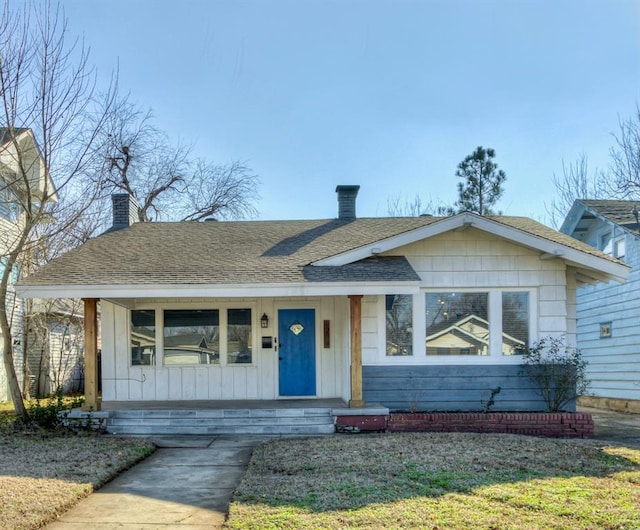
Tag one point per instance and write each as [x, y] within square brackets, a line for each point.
[616, 427]
[188, 482]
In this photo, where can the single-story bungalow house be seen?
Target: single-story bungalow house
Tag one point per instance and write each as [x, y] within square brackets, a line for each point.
[427, 313]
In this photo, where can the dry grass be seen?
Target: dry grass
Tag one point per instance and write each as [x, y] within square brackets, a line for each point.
[439, 481]
[42, 474]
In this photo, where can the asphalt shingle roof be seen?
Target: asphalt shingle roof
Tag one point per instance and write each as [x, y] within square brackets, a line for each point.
[620, 212]
[6, 136]
[248, 252]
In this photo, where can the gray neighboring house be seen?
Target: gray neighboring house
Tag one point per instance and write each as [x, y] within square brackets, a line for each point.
[423, 313]
[18, 148]
[609, 312]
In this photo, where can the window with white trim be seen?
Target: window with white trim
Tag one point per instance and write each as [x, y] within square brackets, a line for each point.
[515, 322]
[620, 248]
[239, 336]
[8, 204]
[143, 337]
[604, 243]
[457, 323]
[399, 324]
[191, 336]
[473, 323]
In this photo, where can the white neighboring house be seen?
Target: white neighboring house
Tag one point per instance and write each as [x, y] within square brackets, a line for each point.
[55, 346]
[609, 312]
[17, 147]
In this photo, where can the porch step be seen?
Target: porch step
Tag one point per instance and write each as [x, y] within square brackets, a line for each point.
[222, 421]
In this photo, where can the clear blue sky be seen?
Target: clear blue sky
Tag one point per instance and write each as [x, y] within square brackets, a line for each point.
[391, 95]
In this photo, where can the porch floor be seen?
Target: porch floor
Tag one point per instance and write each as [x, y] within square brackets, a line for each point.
[225, 404]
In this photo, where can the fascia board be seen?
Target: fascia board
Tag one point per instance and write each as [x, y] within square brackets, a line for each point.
[406, 238]
[573, 217]
[617, 270]
[216, 291]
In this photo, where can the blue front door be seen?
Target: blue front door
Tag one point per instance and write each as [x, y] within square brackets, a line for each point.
[297, 352]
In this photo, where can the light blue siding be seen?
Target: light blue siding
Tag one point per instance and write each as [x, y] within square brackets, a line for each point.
[614, 363]
[433, 388]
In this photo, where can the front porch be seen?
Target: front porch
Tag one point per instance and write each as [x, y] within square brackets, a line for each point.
[207, 417]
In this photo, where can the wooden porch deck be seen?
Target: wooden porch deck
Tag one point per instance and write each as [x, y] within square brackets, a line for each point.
[224, 404]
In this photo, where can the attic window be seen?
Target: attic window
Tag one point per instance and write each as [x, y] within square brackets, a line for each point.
[605, 243]
[619, 248]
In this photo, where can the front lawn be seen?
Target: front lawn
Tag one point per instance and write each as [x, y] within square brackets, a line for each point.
[439, 481]
[43, 474]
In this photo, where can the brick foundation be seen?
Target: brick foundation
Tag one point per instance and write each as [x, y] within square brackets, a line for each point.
[554, 425]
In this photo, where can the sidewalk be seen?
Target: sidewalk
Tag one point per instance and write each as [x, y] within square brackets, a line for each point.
[186, 484]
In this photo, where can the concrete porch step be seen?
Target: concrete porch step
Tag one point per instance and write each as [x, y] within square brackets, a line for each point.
[222, 421]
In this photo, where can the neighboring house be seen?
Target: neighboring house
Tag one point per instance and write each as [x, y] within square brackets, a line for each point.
[55, 343]
[609, 312]
[19, 155]
[340, 308]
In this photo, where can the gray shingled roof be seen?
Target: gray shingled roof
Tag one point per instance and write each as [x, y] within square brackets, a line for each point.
[619, 212]
[5, 133]
[248, 252]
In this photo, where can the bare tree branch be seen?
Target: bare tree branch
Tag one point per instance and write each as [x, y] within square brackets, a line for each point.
[51, 121]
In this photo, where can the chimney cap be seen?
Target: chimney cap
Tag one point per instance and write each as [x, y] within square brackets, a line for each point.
[347, 188]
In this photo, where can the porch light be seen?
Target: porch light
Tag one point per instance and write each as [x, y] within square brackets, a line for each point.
[264, 321]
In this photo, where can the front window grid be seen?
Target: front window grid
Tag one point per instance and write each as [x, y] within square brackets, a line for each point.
[192, 337]
[461, 323]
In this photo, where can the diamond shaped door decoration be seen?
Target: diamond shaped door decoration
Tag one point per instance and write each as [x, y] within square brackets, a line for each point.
[296, 328]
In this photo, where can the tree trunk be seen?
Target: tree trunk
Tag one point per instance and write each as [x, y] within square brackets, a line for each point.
[12, 378]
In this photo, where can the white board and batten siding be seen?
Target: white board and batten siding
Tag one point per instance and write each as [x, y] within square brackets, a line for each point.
[259, 380]
[614, 362]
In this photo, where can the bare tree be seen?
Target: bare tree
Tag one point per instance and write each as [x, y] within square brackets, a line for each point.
[397, 206]
[622, 180]
[164, 179]
[51, 125]
[575, 183]
[625, 158]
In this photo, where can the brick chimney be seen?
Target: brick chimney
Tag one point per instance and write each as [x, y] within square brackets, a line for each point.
[347, 201]
[125, 210]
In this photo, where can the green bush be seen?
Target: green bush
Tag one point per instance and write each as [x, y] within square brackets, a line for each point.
[50, 414]
[557, 371]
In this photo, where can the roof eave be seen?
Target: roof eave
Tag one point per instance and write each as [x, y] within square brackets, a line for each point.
[259, 290]
[600, 267]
